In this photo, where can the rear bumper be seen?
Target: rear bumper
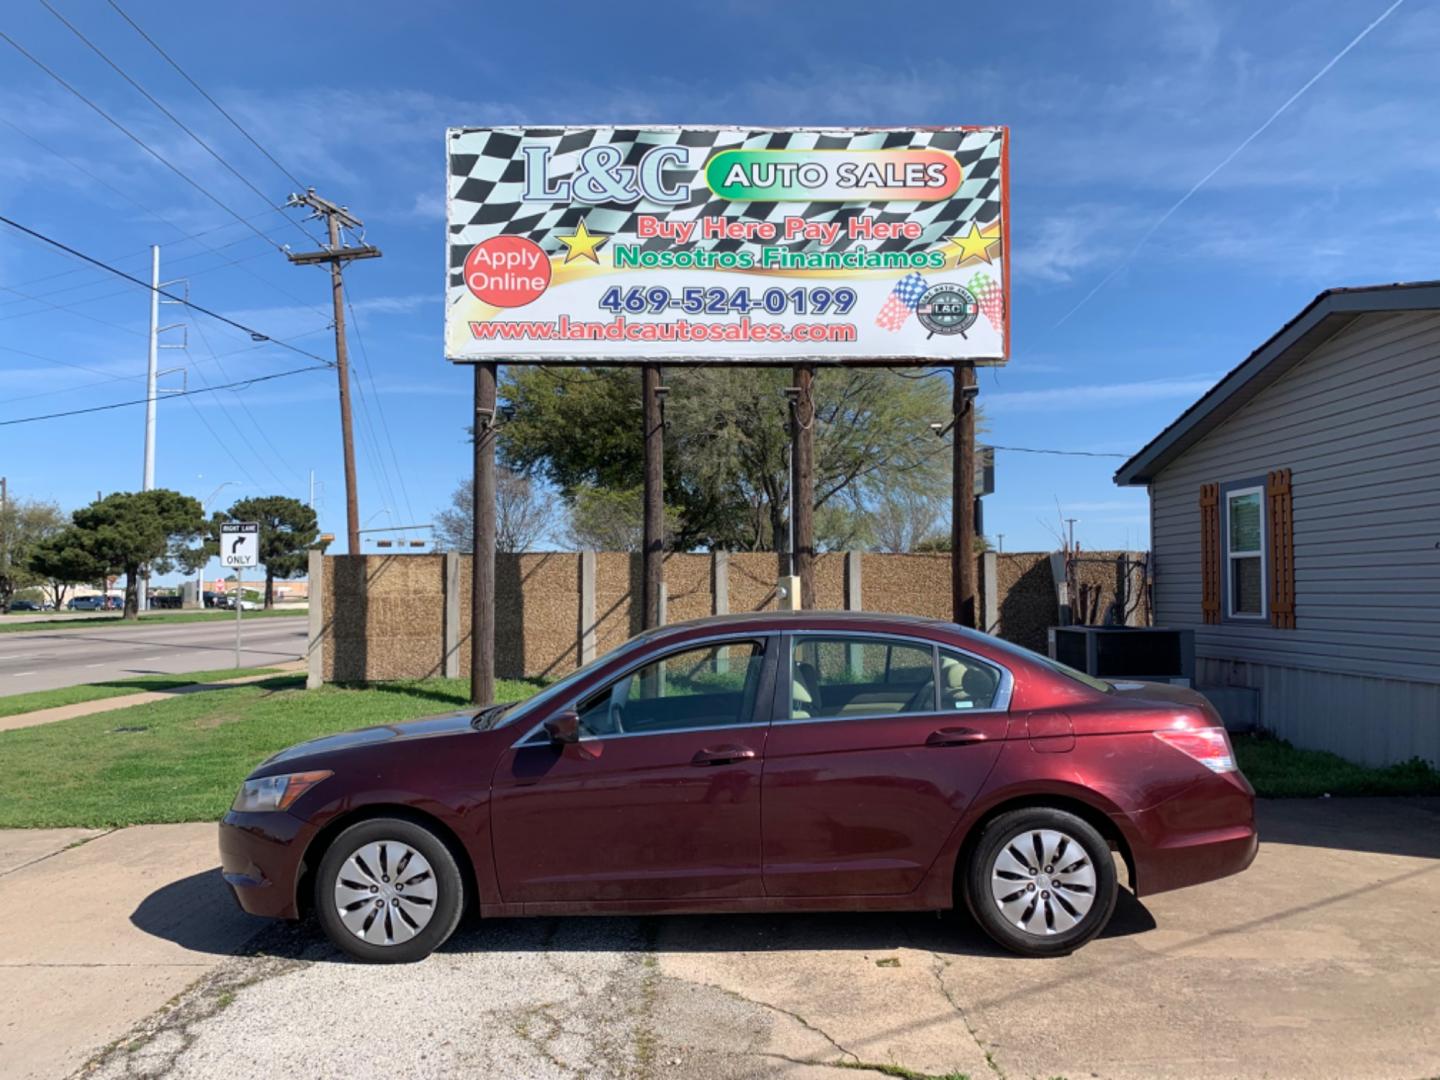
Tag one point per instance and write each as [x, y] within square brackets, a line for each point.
[261, 860]
[1204, 833]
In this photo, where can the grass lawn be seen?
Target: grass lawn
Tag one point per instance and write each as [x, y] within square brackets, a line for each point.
[148, 619]
[1278, 770]
[188, 756]
[70, 695]
[183, 759]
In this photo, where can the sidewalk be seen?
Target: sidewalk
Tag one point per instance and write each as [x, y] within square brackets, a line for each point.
[102, 934]
[125, 701]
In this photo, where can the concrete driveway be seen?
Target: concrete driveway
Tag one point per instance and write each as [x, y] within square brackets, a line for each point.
[1319, 961]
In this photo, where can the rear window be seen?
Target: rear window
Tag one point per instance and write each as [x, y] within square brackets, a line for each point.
[1071, 673]
[1054, 665]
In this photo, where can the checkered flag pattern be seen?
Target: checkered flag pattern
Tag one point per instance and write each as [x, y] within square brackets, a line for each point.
[487, 176]
[990, 297]
[901, 303]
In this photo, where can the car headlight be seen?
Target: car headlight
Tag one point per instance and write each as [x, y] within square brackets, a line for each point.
[275, 792]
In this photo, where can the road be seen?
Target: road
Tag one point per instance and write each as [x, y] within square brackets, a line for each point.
[49, 659]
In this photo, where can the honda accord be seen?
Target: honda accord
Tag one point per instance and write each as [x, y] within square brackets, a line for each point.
[749, 763]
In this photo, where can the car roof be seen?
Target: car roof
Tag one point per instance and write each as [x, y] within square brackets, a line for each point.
[779, 621]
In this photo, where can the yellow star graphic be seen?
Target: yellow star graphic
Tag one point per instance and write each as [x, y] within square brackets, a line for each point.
[974, 246]
[581, 244]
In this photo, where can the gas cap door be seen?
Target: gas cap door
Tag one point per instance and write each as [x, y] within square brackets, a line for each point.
[1051, 733]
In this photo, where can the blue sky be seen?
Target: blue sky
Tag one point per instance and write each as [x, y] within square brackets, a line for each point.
[1115, 111]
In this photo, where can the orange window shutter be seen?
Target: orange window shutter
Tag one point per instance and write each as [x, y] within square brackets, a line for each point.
[1281, 550]
[1210, 552]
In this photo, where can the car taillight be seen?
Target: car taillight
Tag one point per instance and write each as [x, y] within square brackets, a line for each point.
[1209, 746]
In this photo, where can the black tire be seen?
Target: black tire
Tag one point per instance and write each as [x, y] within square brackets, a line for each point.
[445, 909]
[1010, 836]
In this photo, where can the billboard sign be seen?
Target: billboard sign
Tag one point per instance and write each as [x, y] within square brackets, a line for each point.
[727, 245]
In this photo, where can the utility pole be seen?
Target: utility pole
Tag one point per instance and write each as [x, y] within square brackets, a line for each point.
[336, 256]
[152, 394]
[151, 371]
[962, 497]
[1070, 532]
[4, 532]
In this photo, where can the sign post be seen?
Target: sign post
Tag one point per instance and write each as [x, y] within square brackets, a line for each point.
[239, 549]
[661, 246]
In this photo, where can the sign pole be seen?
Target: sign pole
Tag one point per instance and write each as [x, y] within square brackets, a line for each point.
[802, 457]
[962, 497]
[653, 543]
[482, 553]
[239, 548]
[239, 607]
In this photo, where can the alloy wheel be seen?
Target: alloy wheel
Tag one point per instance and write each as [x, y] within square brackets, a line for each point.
[385, 892]
[1043, 882]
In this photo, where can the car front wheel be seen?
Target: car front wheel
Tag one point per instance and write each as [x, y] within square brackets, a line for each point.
[1041, 881]
[389, 891]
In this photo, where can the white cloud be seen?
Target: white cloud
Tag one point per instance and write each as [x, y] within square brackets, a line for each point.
[1100, 395]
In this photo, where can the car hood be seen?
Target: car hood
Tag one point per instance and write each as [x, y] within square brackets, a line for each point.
[426, 728]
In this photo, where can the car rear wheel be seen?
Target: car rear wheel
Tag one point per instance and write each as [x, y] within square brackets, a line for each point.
[1041, 881]
[388, 891]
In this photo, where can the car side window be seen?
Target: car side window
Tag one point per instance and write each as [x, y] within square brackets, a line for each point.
[711, 685]
[967, 682]
[834, 677]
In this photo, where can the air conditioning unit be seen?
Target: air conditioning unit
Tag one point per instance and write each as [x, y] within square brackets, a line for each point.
[1152, 654]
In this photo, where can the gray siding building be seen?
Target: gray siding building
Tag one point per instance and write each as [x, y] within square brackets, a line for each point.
[1295, 524]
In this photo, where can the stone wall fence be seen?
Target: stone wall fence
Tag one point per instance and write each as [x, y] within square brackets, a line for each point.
[385, 617]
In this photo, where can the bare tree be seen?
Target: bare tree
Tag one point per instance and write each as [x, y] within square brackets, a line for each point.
[900, 520]
[524, 517]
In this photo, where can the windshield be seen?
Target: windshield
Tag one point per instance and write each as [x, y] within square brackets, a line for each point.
[557, 691]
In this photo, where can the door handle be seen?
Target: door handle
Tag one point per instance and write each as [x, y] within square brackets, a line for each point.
[722, 755]
[954, 736]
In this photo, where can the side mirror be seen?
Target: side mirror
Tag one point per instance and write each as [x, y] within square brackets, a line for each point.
[563, 728]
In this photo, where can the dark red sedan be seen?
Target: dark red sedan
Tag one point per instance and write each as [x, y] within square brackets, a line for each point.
[771, 762]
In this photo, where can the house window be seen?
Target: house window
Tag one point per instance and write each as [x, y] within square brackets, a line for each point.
[1245, 552]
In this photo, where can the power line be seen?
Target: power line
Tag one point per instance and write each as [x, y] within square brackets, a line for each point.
[1229, 158]
[223, 444]
[73, 389]
[79, 305]
[255, 335]
[185, 75]
[135, 138]
[175, 119]
[175, 393]
[379, 407]
[1063, 453]
[148, 211]
[246, 409]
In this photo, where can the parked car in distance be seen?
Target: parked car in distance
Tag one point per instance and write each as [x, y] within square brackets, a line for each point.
[814, 761]
[25, 605]
[86, 603]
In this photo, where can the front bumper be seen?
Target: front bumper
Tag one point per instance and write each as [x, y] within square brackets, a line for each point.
[262, 859]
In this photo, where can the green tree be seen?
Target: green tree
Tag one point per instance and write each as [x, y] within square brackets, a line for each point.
[288, 529]
[24, 525]
[727, 434]
[63, 560]
[130, 531]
